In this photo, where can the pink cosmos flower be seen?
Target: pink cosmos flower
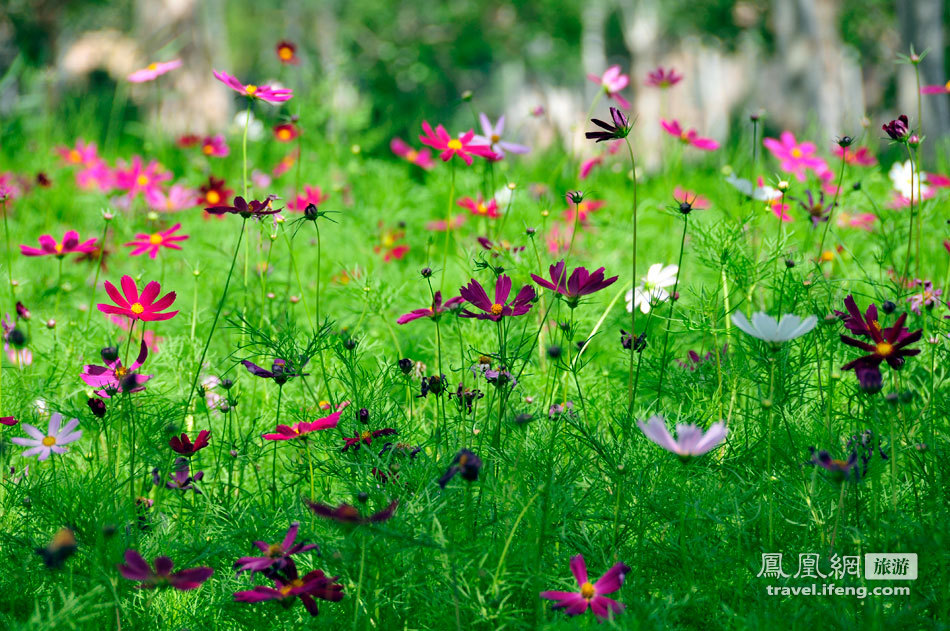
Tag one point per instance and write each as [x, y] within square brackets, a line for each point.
[312, 195]
[69, 245]
[463, 146]
[588, 165]
[612, 82]
[859, 157]
[286, 163]
[82, 154]
[491, 136]
[96, 175]
[215, 146]
[559, 238]
[795, 157]
[591, 595]
[480, 207]
[689, 137]
[421, 158]
[139, 178]
[926, 298]
[114, 378]
[662, 78]
[153, 71]
[863, 221]
[936, 89]
[138, 307]
[262, 92]
[690, 439]
[937, 181]
[178, 197]
[151, 243]
[14, 343]
[433, 312]
[301, 429]
[583, 209]
[9, 421]
[441, 225]
[695, 200]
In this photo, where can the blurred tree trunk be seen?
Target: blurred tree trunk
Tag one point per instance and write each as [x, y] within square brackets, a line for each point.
[191, 100]
[921, 24]
[593, 46]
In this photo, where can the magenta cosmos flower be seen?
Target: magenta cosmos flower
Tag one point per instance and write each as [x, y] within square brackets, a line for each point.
[421, 158]
[154, 71]
[612, 82]
[688, 137]
[82, 153]
[114, 378]
[492, 136]
[215, 146]
[177, 198]
[311, 585]
[662, 78]
[591, 595]
[139, 177]
[474, 294]
[69, 245]
[262, 92]
[138, 307]
[936, 89]
[463, 146]
[285, 132]
[312, 195]
[690, 439]
[137, 569]
[860, 156]
[795, 157]
[480, 207]
[433, 312]
[580, 283]
[152, 243]
[276, 555]
[301, 429]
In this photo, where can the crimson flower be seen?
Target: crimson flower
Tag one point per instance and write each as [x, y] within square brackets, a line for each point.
[276, 555]
[69, 245]
[303, 428]
[432, 312]
[214, 191]
[580, 283]
[688, 137]
[591, 594]
[285, 132]
[183, 445]
[861, 324]
[281, 371]
[889, 345]
[152, 243]
[262, 92]
[440, 140]
[365, 437]
[137, 569]
[138, 307]
[345, 513]
[254, 208]
[495, 310]
[480, 206]
[897, 129]
[311, 585]
[619, 128]
[287, 53]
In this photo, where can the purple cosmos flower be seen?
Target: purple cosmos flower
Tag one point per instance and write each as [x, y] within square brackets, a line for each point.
[254, 208]
[311, 585]
[580, 283]
[475, 294]
[43, 445]
[491, 136]
[591, 595]
[347, 514]
[857, 323]
[817, 209]
[928, 298]
[690, 440]
[365, 437]
[432, 312]
[619, 128]
[181, 479]
[840, 470]
[276, 555]
[465, 463]
[137, 569]
[897, 129]
[281, 371]
[114, 378]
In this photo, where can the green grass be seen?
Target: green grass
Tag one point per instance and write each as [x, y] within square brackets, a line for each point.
[474, 555]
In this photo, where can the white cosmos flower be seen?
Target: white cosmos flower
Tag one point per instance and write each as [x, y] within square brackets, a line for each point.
[56, 436]
[690, 439]
[764, 326]
[758, 193]
[255, 128]
[652, 291]
[900, 175]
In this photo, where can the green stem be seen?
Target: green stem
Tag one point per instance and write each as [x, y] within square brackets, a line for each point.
[673, 298]
[633, 278]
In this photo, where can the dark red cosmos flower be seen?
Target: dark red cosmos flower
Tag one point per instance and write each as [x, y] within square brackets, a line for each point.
[347, 514]
[897, 129]
[365, 438]
[287, 53]
[311, 585]
[185, 447]
[857, 323]
[580, 283]
[619, 128]
[8, 421]
[255, 208]
[465, 463]
[137, 306]
[495, 310]
[276, 555]
[214, 191]
[137, 569]
[433, 312]
[889, 345]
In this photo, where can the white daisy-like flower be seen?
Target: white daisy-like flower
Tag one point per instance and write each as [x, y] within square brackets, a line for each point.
[652, 291]
[905, 180]
[255, 128]
[56, 436]
[690, 439]
[765, 327]
[759, 193]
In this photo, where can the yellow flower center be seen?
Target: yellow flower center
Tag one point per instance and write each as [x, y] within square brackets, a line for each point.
[275, 550]
[496, 309]
[291, 585]
[142, 180]
[412, 155]
[463, 459]
[49, 441]
[137, 308]
[827, 256]
[155, 239]
[495, 138]
[366, 435]
[482, 209]
[839, 463]
[796, 153]
[285, 53]
[74, 156]
[213, 197]
[876, 325]
[455, 144]
[884, 349]
[684, 136]
[59, 248]
[208, 149]
[152, 67]
[283, 133]
[250, 90]
[121, 371]
[947, 86]
[587, 590]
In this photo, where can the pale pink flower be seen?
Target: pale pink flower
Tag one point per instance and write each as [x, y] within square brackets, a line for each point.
[262, 92]
[688, 137]
[153, 71]
[690, 439]
[612, 82]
